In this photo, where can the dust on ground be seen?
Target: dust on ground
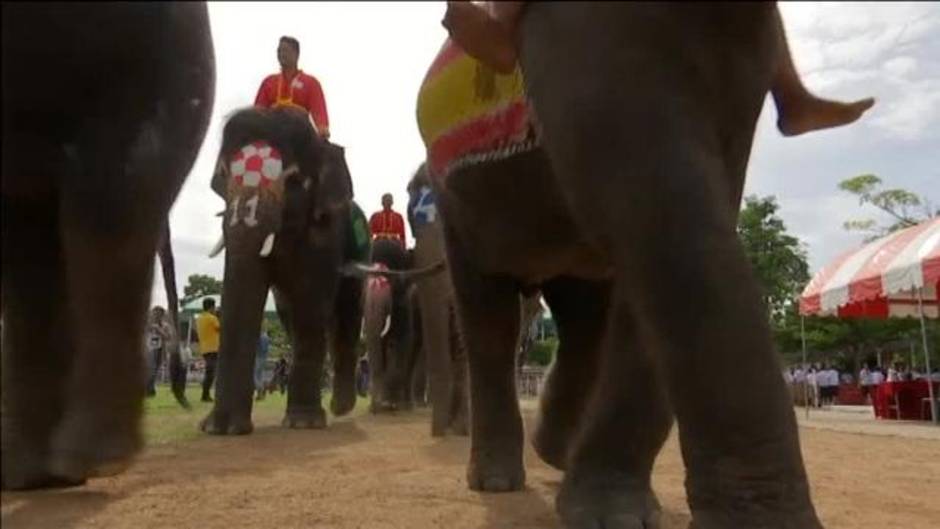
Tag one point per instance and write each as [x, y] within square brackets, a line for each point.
[387, 472]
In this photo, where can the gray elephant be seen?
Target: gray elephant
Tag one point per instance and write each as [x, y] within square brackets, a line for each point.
[440, 341]
[286, 227]
[446, 364]
[87, 184]
[611, 181]
[388, 322]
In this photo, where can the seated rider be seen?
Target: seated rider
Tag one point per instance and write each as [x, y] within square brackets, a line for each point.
[487, 32]
[388, 224]
[294, 88]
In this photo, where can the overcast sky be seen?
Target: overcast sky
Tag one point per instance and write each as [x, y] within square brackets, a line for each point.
[370, 59]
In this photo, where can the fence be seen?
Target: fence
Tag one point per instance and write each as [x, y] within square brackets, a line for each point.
[529, 381]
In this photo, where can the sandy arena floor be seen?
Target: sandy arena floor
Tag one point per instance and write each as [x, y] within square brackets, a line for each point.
[384, 472]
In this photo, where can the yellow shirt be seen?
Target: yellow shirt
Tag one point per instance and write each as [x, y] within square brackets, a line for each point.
[207, 327]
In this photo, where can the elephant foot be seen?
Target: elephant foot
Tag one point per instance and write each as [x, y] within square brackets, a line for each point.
[220, 422]
[305, 419]
[460, 426]
[382, 407]
[86, 447]
[495, 474]
[611, 500]
[750, 503]
[27, 469]
[343, 400]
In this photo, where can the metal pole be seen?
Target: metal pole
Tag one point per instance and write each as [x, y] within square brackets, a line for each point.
[923, 335]
[805, 368]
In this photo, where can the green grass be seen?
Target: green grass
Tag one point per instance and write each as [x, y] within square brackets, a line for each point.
[165, 421]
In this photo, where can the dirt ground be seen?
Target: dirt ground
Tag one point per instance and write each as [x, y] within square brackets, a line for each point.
[384, 472]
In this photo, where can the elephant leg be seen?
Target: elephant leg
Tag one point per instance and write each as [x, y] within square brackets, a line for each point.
[459, 397]
[37, 344]
[419, 379]
[100, 431]
[304, 408]
[435, 328]
[488, 310]
[666, 220]
[347, 324]
[244, 292]
[603, 480]
[580, 312]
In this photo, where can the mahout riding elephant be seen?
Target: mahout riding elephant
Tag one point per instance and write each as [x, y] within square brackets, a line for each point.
[611, 181]
[105, 107]
[286, 227]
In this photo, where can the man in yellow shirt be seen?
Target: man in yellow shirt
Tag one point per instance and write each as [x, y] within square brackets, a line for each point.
[208, 329]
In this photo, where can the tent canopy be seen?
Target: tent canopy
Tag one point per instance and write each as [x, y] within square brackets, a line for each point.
[881, 278]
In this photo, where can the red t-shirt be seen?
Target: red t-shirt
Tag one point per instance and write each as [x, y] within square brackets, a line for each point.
[302, 91]
[387, 224]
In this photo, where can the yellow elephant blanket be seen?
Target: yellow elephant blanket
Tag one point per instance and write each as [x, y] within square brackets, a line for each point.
[468, 113]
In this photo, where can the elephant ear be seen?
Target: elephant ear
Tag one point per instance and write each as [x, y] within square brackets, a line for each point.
[219, 182]
[335, 190]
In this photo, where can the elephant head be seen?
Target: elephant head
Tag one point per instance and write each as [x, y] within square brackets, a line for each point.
[276, 174]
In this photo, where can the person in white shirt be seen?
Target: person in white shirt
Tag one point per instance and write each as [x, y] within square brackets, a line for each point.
[894, 374]
[864, 380]
[813, 383]
[877, 378]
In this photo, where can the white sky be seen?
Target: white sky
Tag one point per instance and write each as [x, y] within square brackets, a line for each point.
[370, 59]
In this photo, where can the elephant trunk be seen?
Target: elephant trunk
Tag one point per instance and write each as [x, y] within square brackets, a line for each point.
[244, 291]
[377, 310]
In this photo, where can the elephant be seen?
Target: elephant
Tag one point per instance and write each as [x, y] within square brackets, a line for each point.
[611, 179]
[286, 227]
[389, 326]
[87, 184]
[444, 357]
[439, 338]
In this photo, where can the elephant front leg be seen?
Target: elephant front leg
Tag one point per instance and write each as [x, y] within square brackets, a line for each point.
[36, 363]
[304, 408]
[580, 310]
[605, 484]
[488, 311]
[347, 324]
[244, 292]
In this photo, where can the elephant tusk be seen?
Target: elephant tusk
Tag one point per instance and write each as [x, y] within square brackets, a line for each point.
[363, 270]
[268, 245]
[388, 325]
[217, 249]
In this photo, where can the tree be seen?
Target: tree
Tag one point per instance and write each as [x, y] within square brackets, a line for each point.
[778, 259]
[200, 285]
[906, 208]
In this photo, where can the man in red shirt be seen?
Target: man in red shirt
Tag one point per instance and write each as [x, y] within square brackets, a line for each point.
[294, 88]
[387, 224]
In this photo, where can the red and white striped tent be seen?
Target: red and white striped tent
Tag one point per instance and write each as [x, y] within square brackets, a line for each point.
[895, 276]
[881, 279]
